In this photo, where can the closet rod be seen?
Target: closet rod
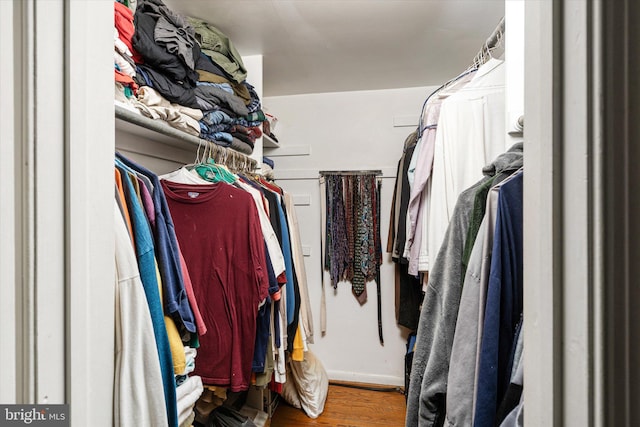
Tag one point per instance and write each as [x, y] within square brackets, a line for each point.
[360, 172]
[163, 128]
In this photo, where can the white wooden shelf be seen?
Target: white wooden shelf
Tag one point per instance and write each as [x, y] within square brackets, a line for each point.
[160, 131]
[268, 142]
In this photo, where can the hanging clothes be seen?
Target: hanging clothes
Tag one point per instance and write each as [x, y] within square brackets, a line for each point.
[300, 270]
[460, 130]
[167, 251]
[145, 253]
[408, 292]
[503, 308]
[272, 337]
[184, 176]
[229, 217]
[429, 372]
[468, 333]
[421, 167]
[138, 376]
[511, 412]
[402, 193]
[219, 231]
[470, 133]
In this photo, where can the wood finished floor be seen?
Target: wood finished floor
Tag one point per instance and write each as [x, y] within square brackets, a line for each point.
[348, 407]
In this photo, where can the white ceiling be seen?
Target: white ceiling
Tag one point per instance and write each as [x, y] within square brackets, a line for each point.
[311, 46]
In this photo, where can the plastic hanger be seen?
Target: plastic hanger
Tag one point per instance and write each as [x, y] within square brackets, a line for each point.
[212, 171]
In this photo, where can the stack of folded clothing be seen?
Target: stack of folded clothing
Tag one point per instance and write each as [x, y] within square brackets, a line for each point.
[153, 105]
[213, 127]
[124, 65]
[267, 169]
[188, 394]
[166, 49]
[223, 87]
[189, 389]
[186, 72]
[269, 125]
[246, 135]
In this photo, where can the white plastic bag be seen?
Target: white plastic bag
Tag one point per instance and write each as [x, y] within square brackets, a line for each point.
[307, 385]
[290, 394]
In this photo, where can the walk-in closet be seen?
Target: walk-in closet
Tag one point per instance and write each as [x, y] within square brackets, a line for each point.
[286, 213]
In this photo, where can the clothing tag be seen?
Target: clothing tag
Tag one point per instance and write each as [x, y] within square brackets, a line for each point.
[193, 194]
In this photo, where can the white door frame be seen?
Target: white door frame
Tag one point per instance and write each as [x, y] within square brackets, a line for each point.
[89, 189]
[56, 251]
[582, 199]
[9, 213]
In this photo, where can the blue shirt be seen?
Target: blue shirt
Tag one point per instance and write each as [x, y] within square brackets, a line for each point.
[288, 264]
[503, 306]
[263, 320]
[166, 246]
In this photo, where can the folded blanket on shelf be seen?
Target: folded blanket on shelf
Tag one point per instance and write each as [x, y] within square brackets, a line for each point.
[153, 105]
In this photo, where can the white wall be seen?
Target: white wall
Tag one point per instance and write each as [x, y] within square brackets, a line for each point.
[346, 131]
[514, 77]
[253, 64]
[57, 323]
[156, 156]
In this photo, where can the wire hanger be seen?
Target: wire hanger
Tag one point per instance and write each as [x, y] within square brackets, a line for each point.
[198, 158]
[421, 126]
[495, 40]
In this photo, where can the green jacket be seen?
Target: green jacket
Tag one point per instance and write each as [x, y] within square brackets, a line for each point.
[219, 48]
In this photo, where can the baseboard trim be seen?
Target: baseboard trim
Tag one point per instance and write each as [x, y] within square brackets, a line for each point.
[365, 379]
